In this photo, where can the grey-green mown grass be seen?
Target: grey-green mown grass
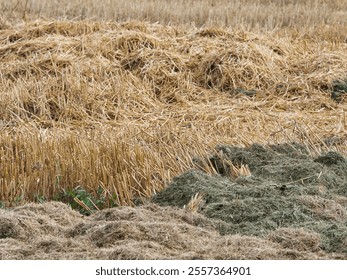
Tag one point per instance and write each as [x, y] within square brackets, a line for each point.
[288, 188]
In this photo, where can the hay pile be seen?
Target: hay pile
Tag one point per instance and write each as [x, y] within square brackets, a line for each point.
[288, 196]
[54, 231]
[97, 72]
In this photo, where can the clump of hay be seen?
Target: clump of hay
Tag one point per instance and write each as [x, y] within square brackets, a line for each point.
[296, 238]
[54, 231]
[289, 195]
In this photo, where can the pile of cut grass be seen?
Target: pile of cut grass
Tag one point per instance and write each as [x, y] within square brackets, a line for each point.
[288, 196]
[53, 231]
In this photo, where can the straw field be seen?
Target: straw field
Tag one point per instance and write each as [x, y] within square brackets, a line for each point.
[249, 14]
[103, 105]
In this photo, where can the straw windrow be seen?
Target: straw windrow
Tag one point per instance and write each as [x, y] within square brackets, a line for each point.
[127, 106]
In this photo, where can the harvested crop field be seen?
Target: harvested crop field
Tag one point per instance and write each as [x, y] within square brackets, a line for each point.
[161, 136]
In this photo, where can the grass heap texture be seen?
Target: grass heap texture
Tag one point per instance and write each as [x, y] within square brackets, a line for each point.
[54, 231]
[118, 109]
[287, 196]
